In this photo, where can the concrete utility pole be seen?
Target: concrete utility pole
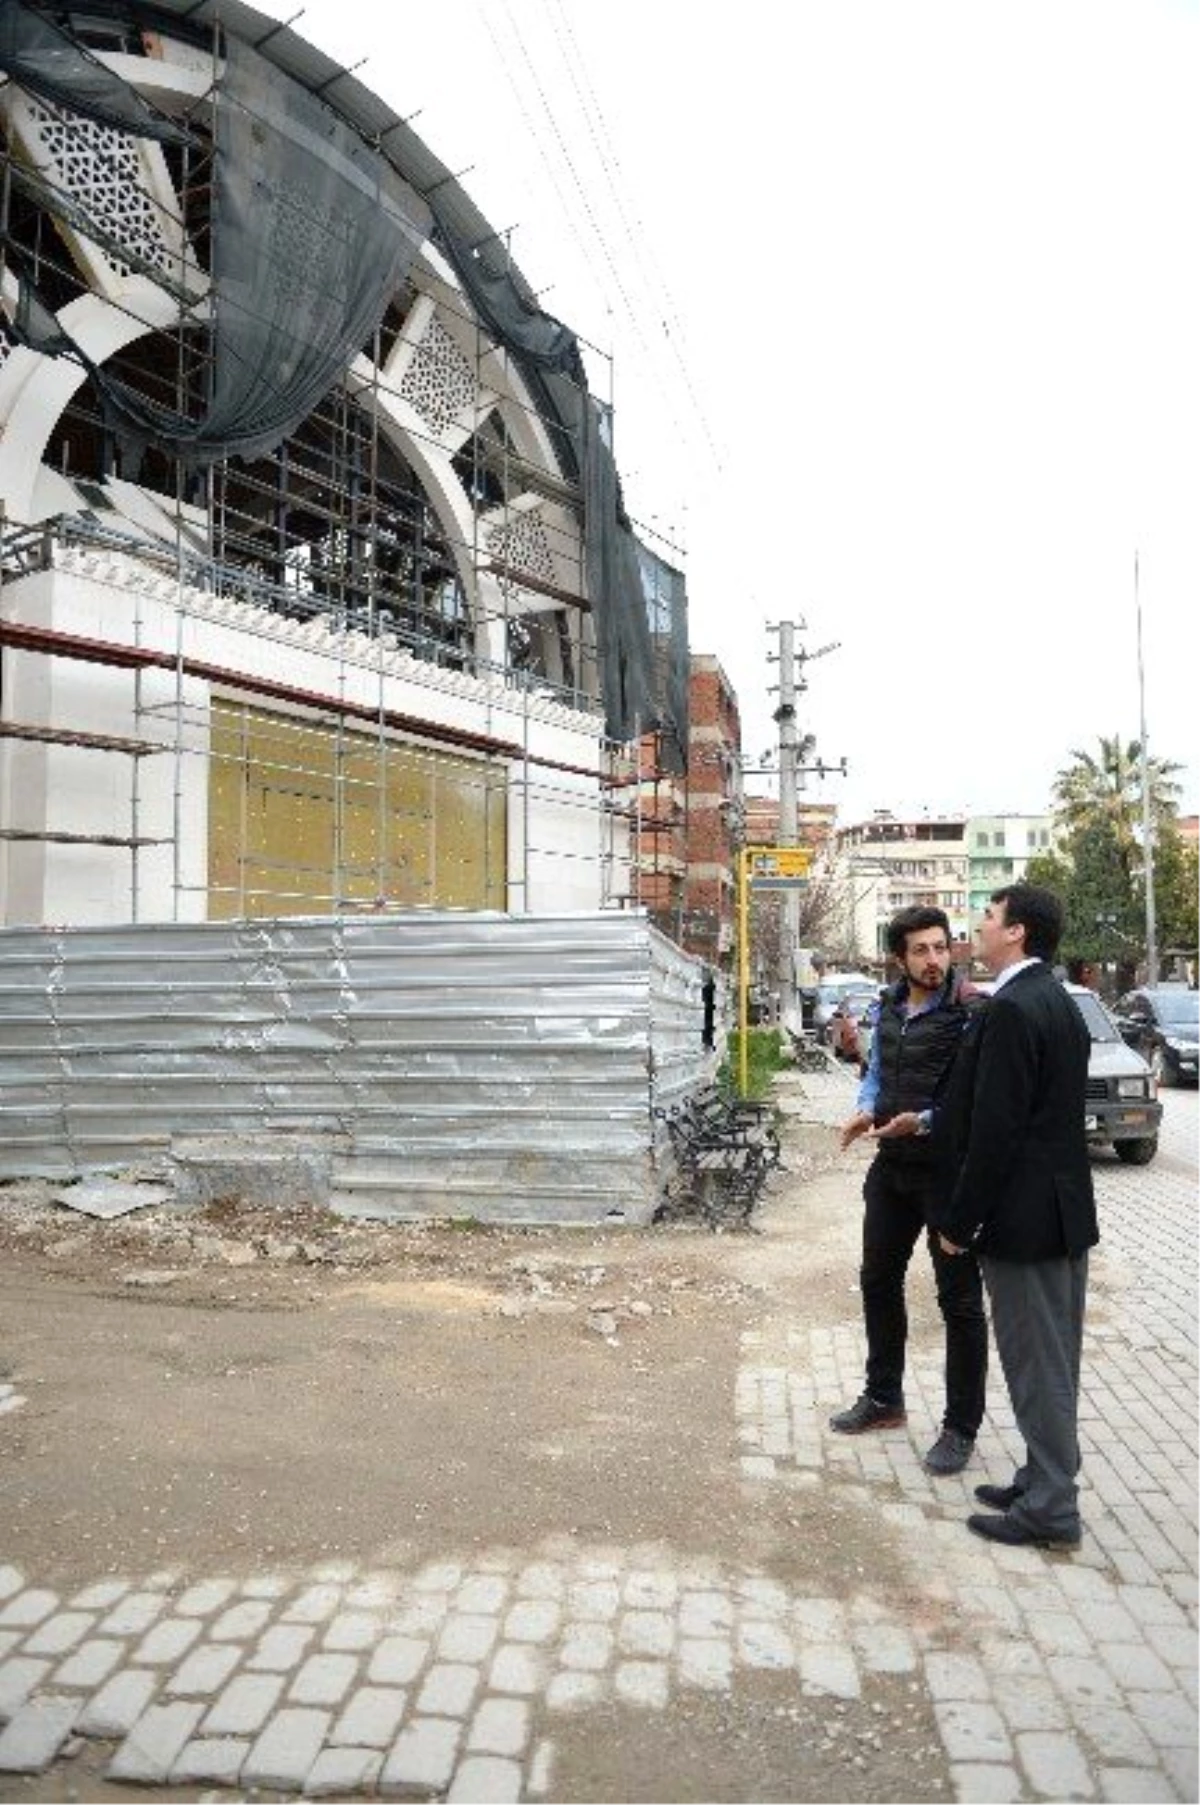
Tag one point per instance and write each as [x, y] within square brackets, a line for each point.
[794, 749]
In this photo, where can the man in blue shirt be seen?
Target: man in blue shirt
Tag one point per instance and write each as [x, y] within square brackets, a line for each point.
[916, 1038]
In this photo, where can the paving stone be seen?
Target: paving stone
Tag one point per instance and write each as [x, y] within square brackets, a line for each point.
[9, 1640]
[467, 1638]
[114, 1710]
[955, 1676]
[210, 1760]
[645, 1683]
[423, 1755]
[541, 1768]
[316, 1604]
[500, 1727]
[167, 1642]
[646, 1633]
[1135, 1785]
[517, 1667]
[281, 1647]
[58, 1634]
[133, 1614]
[1175, 1646]
[89, 1666]
[979, 1783]
[481, 1592]
[371, 1717]
[1181, 1765]
[764, 1644]
[206, 1670]
[338, 1772]
[397, 1660]
[1055, 1764]
[12, 1581]
[532, 1620]
[704, 1615]
[574, 1691]
[651, 1591]
[354, 1630]
[155, 1743]
[827, 1668]
[706, 1662]
[324, 1680]
[1167, 1718]
[1027, 1704]
[36, 1732]
[448, 1689]
[972, 1731]
[286, 1750]
[205, 1597]
[18, 1678]
[438, 1576]
[241, 1621]
[244, 1706]
[486, 1780]
[541, 1579]
[595, 1600]
[1134, 1665]
[28, 1608]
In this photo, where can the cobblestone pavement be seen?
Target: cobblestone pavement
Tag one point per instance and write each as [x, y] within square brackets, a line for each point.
[1050, 1676]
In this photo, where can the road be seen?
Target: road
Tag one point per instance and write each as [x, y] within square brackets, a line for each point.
[501, 1516]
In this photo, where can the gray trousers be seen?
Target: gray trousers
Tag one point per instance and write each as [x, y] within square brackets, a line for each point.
[1037, 1321]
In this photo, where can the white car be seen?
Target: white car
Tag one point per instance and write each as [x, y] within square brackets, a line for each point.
[1122, 1109]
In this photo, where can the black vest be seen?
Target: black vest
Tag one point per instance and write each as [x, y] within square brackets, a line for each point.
[914, 1061]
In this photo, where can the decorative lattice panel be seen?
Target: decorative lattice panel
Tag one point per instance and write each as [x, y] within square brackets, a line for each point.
[439, 382]
[102, 169]
[522, 542]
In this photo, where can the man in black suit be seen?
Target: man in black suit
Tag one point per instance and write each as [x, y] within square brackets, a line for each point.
[1019, 1192]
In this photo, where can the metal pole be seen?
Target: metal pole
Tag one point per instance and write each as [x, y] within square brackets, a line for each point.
[743, 971]
[1147, 824]
[789, 817]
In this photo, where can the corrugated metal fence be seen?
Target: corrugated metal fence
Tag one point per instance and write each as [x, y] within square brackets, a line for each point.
[501, 1067]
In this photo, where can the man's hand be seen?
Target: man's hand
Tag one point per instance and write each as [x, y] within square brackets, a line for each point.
[860, 1123]
[948, 1246]
[896, 1127]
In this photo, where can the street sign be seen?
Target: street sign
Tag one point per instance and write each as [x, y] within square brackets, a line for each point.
[774, 862]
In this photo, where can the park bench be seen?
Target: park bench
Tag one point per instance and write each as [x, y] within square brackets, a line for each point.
[724, 1149]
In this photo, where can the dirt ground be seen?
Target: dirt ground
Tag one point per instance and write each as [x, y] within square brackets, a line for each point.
[244, 1390]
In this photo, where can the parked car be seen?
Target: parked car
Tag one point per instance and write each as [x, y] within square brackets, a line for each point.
[835, 985]
[1122, 1109]
[852, 1025]
[1162, 1023]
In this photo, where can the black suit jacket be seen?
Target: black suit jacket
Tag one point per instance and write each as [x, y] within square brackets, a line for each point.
[1009, 1139]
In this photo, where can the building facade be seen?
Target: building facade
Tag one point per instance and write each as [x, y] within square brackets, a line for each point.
[999, 850]
[306, 509]
[885, 864]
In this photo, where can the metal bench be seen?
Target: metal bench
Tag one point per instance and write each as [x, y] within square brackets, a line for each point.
[724, 1151]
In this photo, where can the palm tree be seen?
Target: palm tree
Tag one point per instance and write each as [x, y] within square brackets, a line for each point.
[1109, 789]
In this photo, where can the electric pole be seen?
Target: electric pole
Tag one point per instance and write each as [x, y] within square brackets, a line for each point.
[794, 749]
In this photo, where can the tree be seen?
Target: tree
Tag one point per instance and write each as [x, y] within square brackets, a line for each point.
[1175, 891]
[1110, 787]
[1098, 867]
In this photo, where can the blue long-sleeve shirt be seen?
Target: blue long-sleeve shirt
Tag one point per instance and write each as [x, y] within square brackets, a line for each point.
[872, 1080]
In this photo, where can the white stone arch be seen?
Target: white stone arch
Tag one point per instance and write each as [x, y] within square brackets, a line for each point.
[35, 390]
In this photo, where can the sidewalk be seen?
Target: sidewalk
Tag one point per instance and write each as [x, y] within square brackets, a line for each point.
[839, 1635]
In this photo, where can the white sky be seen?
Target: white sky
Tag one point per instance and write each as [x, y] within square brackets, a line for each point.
[903, 301]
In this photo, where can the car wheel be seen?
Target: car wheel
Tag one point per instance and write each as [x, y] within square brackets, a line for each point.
[1160, 1066]
[1137, 1153]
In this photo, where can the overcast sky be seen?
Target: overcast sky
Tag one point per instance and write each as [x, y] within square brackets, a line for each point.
[899, 307]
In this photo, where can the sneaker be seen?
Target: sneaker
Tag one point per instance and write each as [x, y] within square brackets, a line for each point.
[950, 1452]
[867, 1413]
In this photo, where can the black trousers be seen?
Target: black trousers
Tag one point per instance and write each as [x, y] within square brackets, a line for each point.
[897, 1195]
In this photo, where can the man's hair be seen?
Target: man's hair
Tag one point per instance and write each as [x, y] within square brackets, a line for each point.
[1038, 911]
[911, 921]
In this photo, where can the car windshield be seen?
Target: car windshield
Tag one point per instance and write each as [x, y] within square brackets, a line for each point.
[1095, 1015]
[1177, 1008]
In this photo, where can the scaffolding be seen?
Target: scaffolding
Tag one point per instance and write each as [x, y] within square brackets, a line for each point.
[367, 659]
